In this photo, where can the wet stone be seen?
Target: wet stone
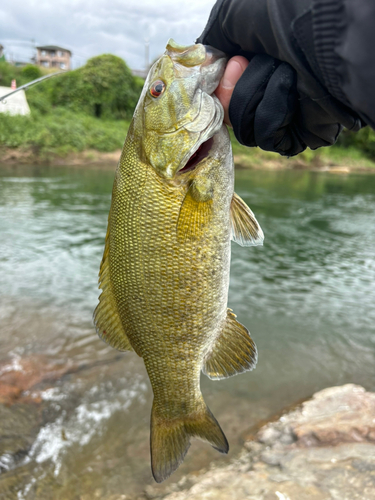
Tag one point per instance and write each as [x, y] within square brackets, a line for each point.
[271, 458]
[269, 435]
[363, 466]
[320, 451]
[18, 428]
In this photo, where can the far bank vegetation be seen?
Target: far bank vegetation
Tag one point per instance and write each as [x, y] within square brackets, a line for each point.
[90, 109]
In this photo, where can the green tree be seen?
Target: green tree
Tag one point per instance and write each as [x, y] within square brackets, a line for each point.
[104, 88]
[113, 91]
[363, 140]
[30, 72]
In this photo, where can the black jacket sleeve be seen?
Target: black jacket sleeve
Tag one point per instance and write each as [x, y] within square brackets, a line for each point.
[311, 71]
[344, 43]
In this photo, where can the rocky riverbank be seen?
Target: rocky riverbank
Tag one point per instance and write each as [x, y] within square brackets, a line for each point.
[248, 158]
[322, 450]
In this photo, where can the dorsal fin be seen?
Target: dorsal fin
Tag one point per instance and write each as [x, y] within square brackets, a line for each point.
[107, 321]
[246, 230]
[233, 352]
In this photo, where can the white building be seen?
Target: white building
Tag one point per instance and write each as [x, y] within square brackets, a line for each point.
[15, 104]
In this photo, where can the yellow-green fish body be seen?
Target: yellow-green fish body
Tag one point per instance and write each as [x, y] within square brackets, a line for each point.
[165, 269]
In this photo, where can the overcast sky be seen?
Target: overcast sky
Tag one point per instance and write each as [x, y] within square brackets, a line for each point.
[93, 27]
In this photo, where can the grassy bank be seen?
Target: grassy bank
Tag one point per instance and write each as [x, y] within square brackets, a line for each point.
[44, 137]
[65, 136]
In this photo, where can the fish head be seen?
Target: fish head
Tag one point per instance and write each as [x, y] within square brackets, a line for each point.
[177, 113]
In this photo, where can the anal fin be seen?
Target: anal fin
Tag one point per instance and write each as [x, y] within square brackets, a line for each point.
[107, 321]
[233, 352]
[246, 230]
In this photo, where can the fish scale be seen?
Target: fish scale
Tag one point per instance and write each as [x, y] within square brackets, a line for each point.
[165, 269]
[172, 276]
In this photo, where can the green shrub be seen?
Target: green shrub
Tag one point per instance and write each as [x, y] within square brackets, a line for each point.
[38, 102]
[61, 132]
[8, 72]
[30, 72]
[363, 140]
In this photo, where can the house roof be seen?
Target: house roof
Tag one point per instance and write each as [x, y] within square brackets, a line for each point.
[54, 47]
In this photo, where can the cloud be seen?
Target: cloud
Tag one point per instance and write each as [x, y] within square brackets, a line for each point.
[89, 28]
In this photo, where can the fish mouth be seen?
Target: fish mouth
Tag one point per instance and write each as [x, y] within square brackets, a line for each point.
[200, 154]
[202, 148]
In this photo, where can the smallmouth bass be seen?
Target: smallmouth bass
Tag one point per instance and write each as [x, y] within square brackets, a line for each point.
[165, 269]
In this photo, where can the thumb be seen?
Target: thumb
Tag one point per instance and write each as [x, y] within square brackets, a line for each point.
[235, 67]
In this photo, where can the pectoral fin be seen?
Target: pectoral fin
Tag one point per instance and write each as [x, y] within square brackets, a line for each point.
[106, 318]
[233, 352]
[195, 212]
[246, 230]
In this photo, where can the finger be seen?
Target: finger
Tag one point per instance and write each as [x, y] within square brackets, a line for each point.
[235, 67]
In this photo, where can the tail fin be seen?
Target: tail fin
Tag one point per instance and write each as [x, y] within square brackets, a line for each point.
[170, 439]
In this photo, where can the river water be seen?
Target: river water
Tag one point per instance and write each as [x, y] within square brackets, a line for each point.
[79, 426]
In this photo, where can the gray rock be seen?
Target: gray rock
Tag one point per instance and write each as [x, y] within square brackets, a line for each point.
[335, 415]
[269, 435]
[271, 458]
[323, 450]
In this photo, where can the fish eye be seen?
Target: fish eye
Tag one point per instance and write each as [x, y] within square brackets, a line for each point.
[157, 88]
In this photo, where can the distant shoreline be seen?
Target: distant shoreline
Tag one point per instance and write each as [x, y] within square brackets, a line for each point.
[89, 157]
[255, 159]
[300, 164]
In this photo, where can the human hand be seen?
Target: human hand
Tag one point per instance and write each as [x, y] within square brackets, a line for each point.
[280, 102]
[269, 88]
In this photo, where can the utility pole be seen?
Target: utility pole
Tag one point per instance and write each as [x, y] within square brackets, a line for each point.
[33, 44]
[147, 54]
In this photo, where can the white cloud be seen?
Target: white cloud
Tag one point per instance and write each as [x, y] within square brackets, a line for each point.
[94, 27]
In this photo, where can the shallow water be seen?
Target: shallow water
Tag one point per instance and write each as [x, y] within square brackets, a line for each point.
[80, 428]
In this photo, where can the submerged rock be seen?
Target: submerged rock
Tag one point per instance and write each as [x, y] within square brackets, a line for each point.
[323, 450]
[20, 378]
